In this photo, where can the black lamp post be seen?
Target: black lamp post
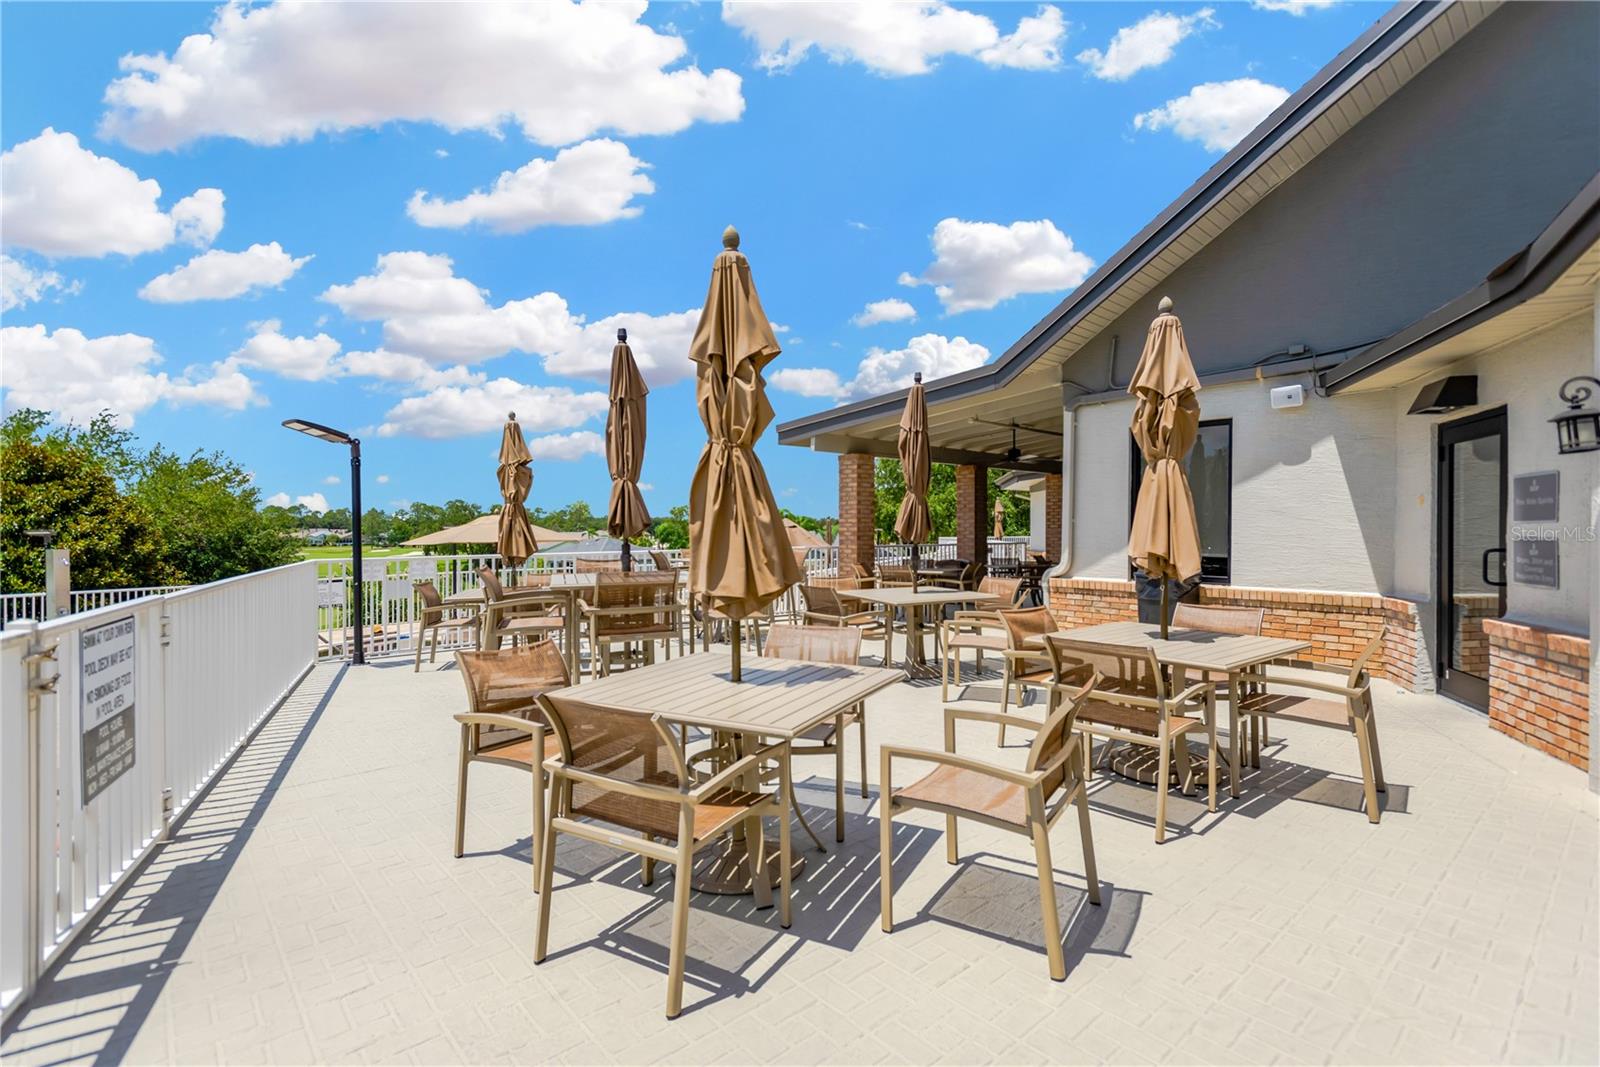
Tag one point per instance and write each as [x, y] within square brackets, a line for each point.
[338, 437]
[1577, 428]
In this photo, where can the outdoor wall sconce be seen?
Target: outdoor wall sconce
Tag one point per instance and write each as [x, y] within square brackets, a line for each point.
[1578, 427]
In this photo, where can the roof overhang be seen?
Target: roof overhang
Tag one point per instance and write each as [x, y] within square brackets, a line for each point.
[1552, 278]
[1024, 384]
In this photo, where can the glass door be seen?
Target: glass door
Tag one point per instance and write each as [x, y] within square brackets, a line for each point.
[1472, 550]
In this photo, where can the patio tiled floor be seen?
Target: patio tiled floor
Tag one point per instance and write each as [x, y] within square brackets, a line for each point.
[311, 911]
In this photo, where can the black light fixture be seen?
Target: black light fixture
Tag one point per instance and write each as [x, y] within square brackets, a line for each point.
[339, 437]
[1013, 453]
[1445, 395]
[1578, 427]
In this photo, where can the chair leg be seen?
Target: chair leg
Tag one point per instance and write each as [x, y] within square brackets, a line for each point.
[680, 918]
[1377, 757]
[461, 792]
[1089, 871]
[1005, 698]
[944, 676]
[422, 631]
[433, 647]
[952, 848]
[885, 849]
[547, 864]
[1163, 772]
[1047, 899]
[1211, 750]
[1233, 736]
[861, 720]
[539, 816]
[647, 866]
[838, 780]
[785, 849]
[1368, 784]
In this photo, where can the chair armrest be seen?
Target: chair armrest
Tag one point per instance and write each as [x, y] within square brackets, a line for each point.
[1190, 693]
[952, 714]
[742, 765]
[966, 763]
[1306, 683]
[509, 722]
[1025, 654]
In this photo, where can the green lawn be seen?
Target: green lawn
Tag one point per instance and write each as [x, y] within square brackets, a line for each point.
[343, 552]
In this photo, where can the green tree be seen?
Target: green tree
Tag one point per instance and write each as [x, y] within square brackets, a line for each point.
[890, 485]
[66, 480]
[672, 531]
[574, 518]
[209, 516]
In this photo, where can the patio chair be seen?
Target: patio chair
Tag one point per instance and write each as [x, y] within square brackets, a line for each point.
[583, 565]
[1227, 619]
[639, 606]
[1027, 661]
[1131, 704]
[1026, 802]
[617, 772]
[527, 615]
[433, 615]
[503, 724]
[662, 561]
[825, 644]
[1351, 710]
[825, 607]
[979, 629]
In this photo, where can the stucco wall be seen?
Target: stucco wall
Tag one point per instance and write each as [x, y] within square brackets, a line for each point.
[1313, 489]
[1412, 207]
[1036, 522]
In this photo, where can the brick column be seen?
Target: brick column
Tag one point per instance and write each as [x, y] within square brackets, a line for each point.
[1052, 516]
[857, 511]
[973, 520]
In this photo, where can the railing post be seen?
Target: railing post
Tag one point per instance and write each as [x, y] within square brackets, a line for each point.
[38, 685]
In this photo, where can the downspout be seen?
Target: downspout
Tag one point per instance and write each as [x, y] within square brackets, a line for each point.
[1071, 395]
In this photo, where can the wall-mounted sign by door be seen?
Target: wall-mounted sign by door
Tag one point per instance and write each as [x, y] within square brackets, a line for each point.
[1536, 497]
[1537, 563]
[105, 703]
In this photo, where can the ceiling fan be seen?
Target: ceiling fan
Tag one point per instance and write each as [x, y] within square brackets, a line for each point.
[1013, 453]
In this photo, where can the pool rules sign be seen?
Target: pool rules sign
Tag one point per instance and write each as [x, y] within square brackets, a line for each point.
[105, 709]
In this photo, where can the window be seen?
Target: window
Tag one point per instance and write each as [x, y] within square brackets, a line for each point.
[1209, 467]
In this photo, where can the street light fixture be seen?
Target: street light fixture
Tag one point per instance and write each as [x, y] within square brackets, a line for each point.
[339, 437]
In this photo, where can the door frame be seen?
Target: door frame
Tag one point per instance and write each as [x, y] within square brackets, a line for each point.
[1467, 688]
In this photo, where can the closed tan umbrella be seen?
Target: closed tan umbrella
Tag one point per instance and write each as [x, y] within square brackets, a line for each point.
[911, 522]
[515, 542]
[739, 555]
[1165, 540]
[626, 517]
[999, 518]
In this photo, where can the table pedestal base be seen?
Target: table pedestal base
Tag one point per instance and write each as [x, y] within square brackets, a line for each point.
[725, 869]
[1140, 764]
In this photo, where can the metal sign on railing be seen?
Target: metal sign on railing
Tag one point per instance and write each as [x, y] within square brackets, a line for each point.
[105, 703]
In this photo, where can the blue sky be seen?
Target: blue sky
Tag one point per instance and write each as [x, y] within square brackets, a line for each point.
[966, 165]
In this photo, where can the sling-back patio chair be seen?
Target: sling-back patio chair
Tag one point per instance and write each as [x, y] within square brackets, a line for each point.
[1228, 619]
[433, 616]
[861, 572]
[825, 607]
[1026, 802]
[586, 565]
[1027, 661]
[1132, 703]
[617, 771]
[526, 614]
[978, 629]
[1348, 706]
[639, 606]
[825, 644]
[503, 724]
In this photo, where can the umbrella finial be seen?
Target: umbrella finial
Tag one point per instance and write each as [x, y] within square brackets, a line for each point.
[1165, 305]
[622, 336]
[730, 239]
[512, 416]
[917, 377]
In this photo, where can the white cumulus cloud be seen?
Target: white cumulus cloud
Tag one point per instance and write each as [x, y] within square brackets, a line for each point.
[1293, 7]
[432, 315]
[883, 370]
[976, 265]
[76, 377]
[892, 38]
[892, 310]
[1147, 43]
[567, 446]
[308, 359]
[460, 411]
[561, 71]
[1217, 114]
[587, 184]
[383, 479]
[60, 199]
[218, 275]
[22, 284]
[312, 502]
[277, 500]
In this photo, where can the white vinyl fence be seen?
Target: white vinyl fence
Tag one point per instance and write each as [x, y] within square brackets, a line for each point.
[111, 723]
[14, 606]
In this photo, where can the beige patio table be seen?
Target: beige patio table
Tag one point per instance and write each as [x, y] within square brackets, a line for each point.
[914, 600]
[777, 698]
[1198, 650]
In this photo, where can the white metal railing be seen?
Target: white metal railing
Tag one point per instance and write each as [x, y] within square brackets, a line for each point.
[203, 667]
[14, 606]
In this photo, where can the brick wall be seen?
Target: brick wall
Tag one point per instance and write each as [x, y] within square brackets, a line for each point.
[1052, 515]
[972, 513]
[1539, 689]
[857, 511]
[1338, 626]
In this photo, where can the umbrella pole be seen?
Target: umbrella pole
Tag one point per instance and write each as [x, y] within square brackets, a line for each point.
[1165, 586]
[627, 555]
[733, 631]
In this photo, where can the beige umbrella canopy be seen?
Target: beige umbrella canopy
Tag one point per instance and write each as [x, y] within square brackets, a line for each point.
[739, 555]
[800, 537]
[626, 517]
[999, 518]
[515, 542]
[911, 523]
[1165, 539]
[485, 530]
